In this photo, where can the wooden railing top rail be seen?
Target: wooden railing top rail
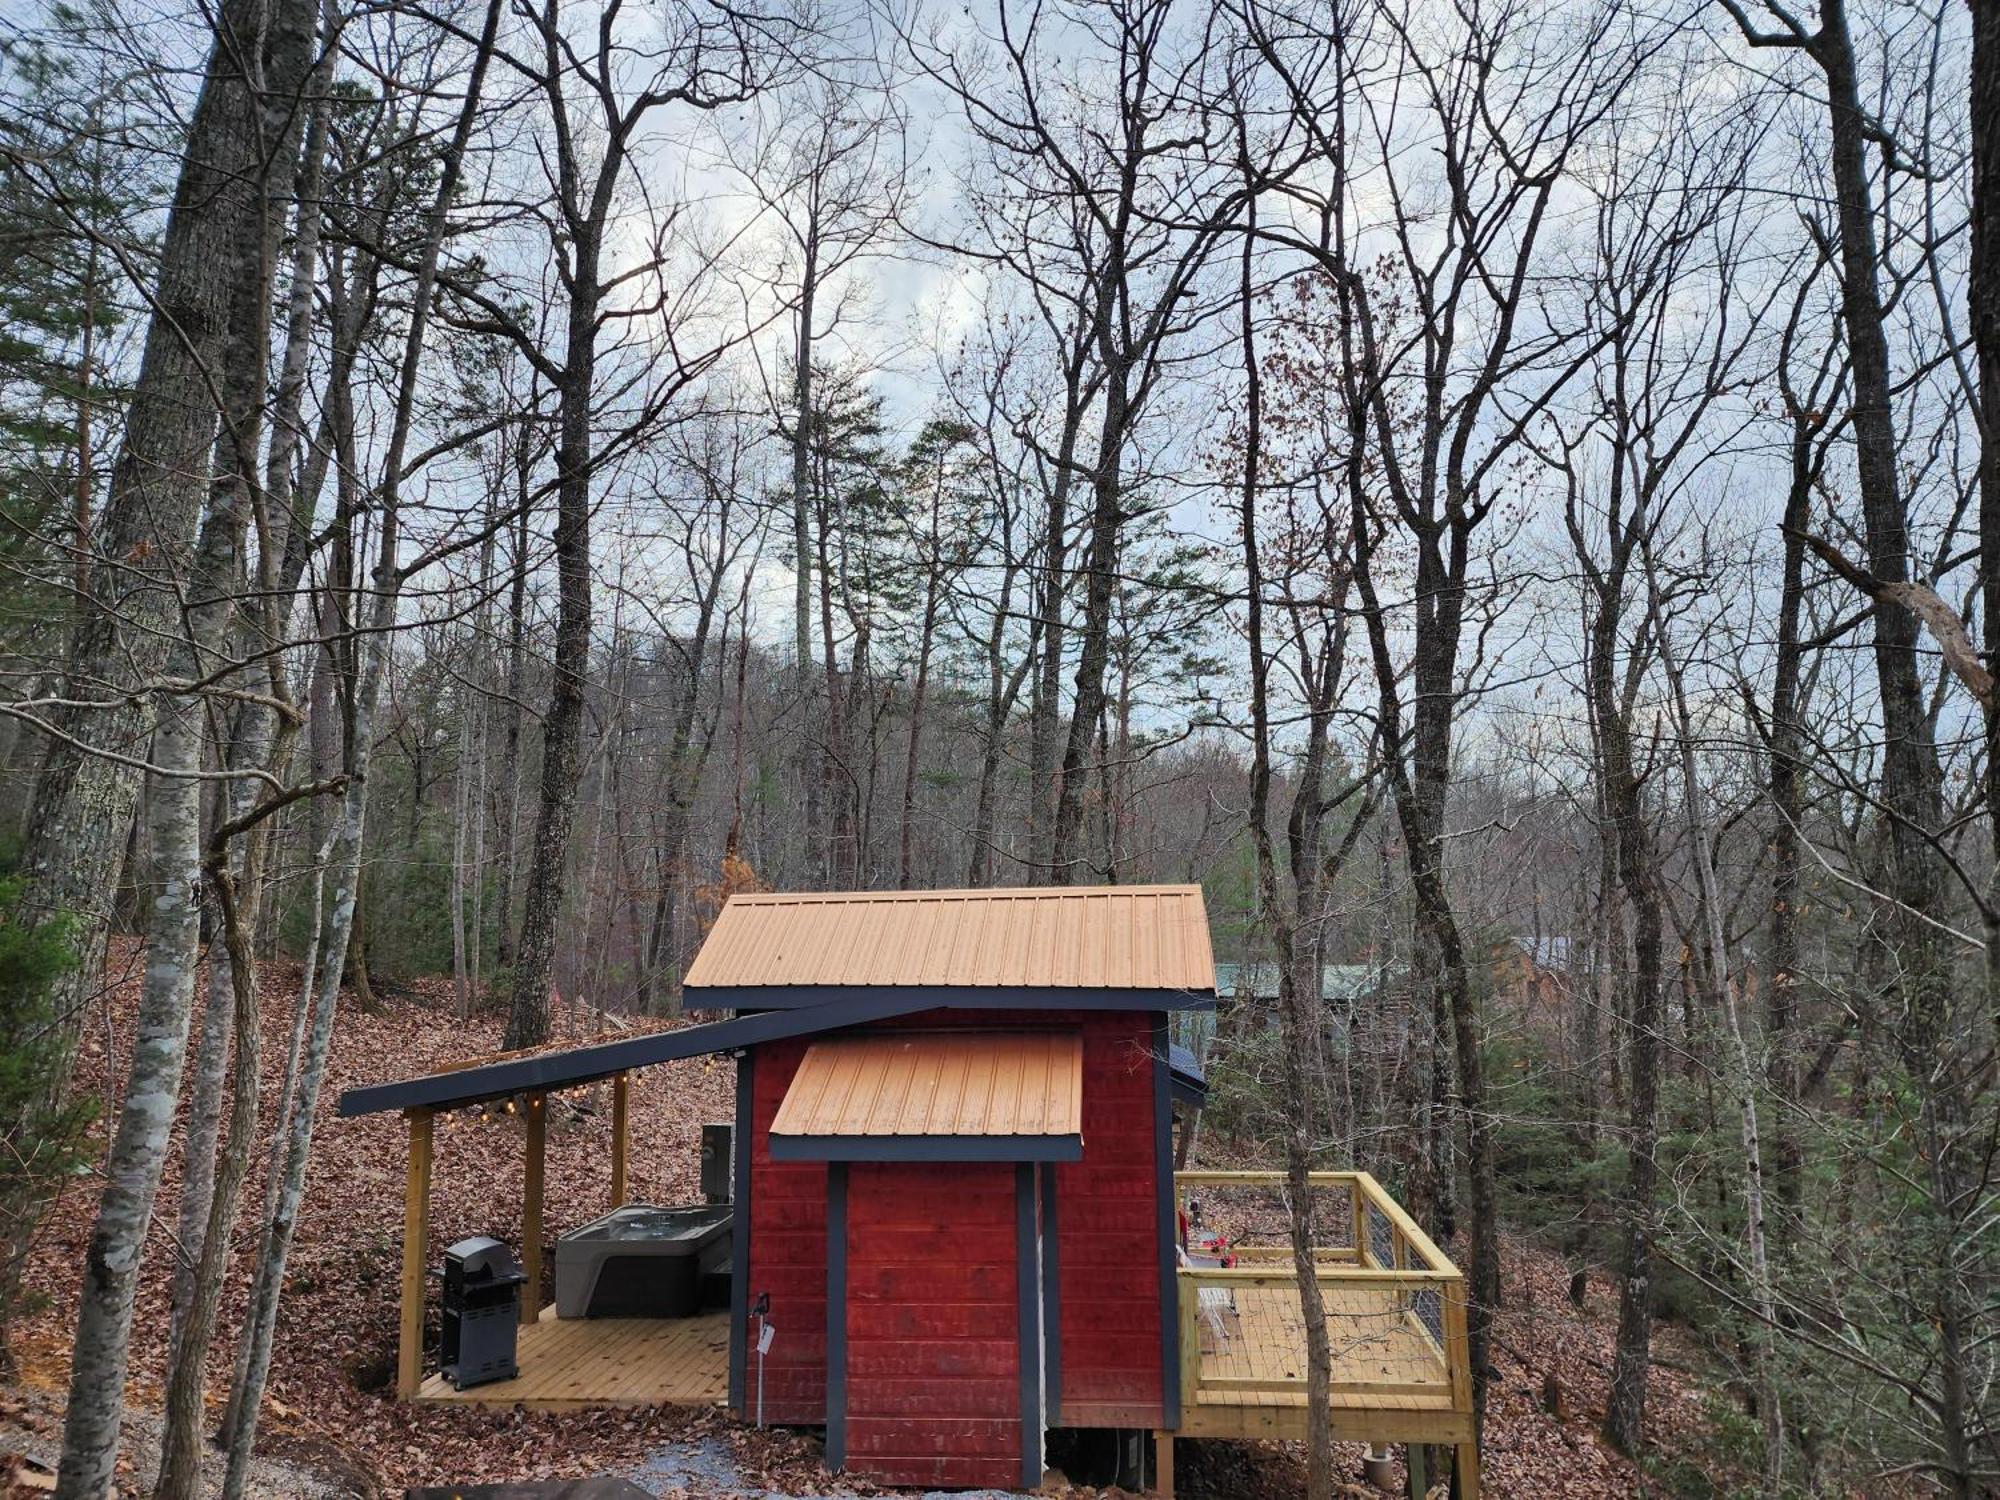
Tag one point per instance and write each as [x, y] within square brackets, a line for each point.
[1419, 1241]
[1361, 1183]
[1332, 1275]
[1257, 1179]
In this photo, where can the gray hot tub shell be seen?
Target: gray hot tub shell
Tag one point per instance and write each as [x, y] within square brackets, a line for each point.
[640, 1261]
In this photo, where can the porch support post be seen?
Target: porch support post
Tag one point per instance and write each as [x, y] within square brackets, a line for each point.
[1163, 1464]
[620, 1136]
[531, 1206]
[416, 1245]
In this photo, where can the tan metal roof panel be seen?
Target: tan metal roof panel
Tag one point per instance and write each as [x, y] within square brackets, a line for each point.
[966, 1083]
[1094, 937]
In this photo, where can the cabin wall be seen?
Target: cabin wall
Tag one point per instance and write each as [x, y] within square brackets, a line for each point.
[933, 1325]
[787, 1255]
[1108, 1237]
[1108, 1243]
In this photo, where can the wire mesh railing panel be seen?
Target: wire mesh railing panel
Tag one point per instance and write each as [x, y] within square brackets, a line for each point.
[1258, 1213]
[1381, 1237]
[1428, 1305]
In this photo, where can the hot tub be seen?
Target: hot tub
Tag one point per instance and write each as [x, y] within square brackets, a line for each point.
[640, 1261]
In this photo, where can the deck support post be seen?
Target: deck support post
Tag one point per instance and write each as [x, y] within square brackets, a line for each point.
[1417, 1463]
[416, 1246]
[1163, 1464]
[531, 1205]
[620, 1135]
[1465, 1458]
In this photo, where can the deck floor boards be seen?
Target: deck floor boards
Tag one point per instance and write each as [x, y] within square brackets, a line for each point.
[1386, 1372]
[578, 1362]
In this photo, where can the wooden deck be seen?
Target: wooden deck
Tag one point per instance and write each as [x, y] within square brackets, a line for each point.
[1395, 1309]
[567, 1364]
[1390, 1382]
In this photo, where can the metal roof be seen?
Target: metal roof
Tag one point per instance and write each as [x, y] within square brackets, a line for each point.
[1008, 1083]
[1143, 937]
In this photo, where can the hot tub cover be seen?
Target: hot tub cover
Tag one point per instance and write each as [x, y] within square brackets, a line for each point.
[935, 1096]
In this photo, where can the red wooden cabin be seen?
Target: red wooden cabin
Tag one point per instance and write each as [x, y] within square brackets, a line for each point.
[954, 1197]
[961, 1213]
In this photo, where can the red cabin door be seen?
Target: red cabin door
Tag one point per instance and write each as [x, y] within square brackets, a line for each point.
[936, 1369]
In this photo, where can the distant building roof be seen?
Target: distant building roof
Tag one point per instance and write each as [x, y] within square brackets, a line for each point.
[1548, 950]
[1081, 937]
[1259, 981]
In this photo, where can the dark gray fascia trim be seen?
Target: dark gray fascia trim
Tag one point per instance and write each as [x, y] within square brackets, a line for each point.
[780, 1012]
[930, 1148]
[1027, 1281]
[836, 1315]
[739, 1248]
[1051, 1300]
[578, 1065]
[949, 997]
[1163, 1179]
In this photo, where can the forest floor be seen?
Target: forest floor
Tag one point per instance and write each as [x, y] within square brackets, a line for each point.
[332, 1427]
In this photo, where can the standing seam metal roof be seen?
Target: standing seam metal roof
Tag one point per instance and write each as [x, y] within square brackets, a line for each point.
[1084, 937]
[1024, 1083]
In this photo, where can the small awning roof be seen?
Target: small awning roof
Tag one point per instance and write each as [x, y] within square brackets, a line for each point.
[935, 1096]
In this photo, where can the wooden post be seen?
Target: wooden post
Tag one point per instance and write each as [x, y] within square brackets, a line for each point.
[531, 1206]
[1190, 1320]
[1466, 1457]
[1163, 1464]
[1416, 1456]
[1457, 1345]
[416, 1248]
[620, 1136]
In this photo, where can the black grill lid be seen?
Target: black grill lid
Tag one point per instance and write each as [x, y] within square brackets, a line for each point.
[483, 1258]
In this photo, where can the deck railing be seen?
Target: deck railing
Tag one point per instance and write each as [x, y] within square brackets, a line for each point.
[1395, 1303]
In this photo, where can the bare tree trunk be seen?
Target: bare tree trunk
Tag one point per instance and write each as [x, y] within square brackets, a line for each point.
[928, 629]
[813, 769]
[1743, 1075]
[509, 778]
[83, 812]
[562, 725]
[1982, 289]
[1100, 581]
[345, 841]
[1295, 1002]
[138, 1149]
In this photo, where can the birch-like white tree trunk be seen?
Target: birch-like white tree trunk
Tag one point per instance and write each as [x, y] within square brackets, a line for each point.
[139, 1146]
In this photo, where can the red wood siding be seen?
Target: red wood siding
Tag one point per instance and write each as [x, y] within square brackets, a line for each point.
[1108, 1236]
[1106, 1221]
[787, 1255]
[933, 1325]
